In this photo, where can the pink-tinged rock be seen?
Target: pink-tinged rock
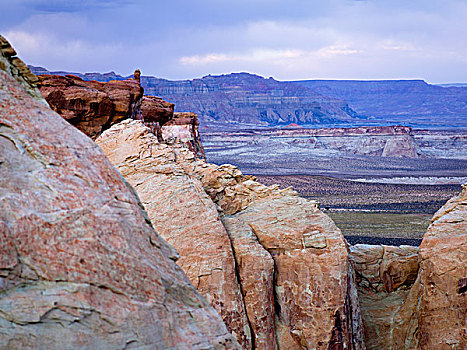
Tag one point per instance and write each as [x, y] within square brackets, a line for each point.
[442, 280]
[184, 127]
[256, 271]
[385, 275]
[400, 146]
[184, 215]
[80, 265]
[92, 106]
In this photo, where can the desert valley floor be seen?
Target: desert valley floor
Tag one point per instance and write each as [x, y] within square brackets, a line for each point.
[371, 213]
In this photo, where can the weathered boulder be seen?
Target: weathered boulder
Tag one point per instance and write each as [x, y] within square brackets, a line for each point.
[385, 275]
[92, 106]
[292, 261]
[80, 265]
[183, 214]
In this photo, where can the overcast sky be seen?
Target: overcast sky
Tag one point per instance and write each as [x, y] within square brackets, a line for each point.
[289, 40]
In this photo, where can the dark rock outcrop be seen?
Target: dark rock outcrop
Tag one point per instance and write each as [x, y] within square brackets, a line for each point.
[156, 112]
[92, 106]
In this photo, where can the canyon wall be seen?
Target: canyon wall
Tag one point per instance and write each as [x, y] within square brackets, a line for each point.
[81, 266]
[437, 303]
[416, 298]
[410, 102]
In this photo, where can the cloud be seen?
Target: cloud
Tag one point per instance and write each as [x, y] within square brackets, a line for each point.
[287, 39]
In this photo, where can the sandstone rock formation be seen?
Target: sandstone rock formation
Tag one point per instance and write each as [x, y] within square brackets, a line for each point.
[416, 298]
[80, 265]
[18, 69]
[385, 141]
[92, 106]
[242, 98]
[435, 313]
[291, 261]
[155, 112]
[183, 214]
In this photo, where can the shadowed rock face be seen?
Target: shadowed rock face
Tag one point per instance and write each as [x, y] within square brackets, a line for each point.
[288, 260]
[80, 265]
[156, 112]
[385, 275]
[92, 106]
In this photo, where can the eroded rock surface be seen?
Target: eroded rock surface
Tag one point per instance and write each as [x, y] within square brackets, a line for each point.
[437, 303]
[385, 275]
[80, 265]
[183, 127]
[92, 106]
[156, 112]
[417, 302]
[292, 261]
[183, 214]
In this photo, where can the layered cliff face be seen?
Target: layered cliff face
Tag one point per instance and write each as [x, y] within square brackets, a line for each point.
[272, 263]
[249, 99]
[241, 98]
[80, 265]
[387, 141]
[412, 102]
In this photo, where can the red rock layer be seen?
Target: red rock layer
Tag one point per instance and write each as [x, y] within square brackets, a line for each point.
[156, 112]
[80, 265]
[92, 106]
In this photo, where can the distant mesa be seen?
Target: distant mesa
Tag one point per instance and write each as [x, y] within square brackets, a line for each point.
[242, 100]
[293, 125]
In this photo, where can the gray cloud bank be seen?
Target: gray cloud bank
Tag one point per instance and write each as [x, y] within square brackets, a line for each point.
[294, 39]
